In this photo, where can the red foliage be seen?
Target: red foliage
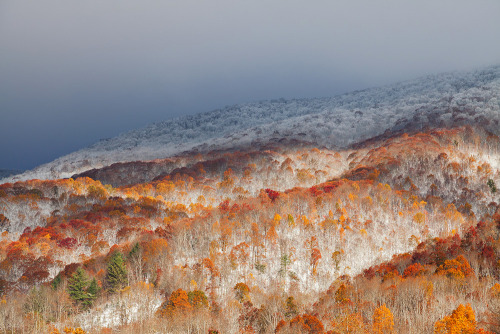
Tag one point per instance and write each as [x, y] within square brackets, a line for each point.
[165, 233]
[207, 263]
[422, 256]
[303, 324]
[235, 208]
[79, 224]
[281, 325]
[272, 194]
[330, 186]
[37, 271]
[67, 243]
[315, 191]
[384, 270]
[95, 217]
[488, 253]
[470, 238]
[249, 318]
[39, 232]
[126, 232]
[224, 206]
[70, 269]
[415, 270]
[26, 231]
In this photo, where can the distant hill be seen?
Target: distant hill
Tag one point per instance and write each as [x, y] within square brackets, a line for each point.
[442, 100]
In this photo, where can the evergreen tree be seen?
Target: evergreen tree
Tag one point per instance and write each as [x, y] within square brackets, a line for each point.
[92, 291]
[77, 285]
[492, 186]
[79, 289]
[134, 252]
[56, 282]
[116, 275]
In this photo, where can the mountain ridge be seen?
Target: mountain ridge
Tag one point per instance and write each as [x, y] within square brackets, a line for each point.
[434, 101]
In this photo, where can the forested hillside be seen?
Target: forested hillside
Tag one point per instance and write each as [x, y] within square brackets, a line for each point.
[397, 233]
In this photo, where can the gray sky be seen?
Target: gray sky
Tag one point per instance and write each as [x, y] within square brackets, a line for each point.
[72, 72]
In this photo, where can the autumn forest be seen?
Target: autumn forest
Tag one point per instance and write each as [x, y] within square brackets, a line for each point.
[397, 234]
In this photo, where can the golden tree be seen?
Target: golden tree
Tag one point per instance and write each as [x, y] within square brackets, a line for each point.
[383, 321]
[462, 320]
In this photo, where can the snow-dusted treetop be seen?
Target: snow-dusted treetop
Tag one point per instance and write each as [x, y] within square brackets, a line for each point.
[438, 100]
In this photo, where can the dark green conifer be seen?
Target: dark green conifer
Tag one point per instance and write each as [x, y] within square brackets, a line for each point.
[116, 275]
[92, 291]
[134, 252]
[492, 186]
[56, 282]
[79, 289]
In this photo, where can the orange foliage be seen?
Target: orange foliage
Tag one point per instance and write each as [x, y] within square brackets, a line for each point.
[415, 270]
[241, 292]
[178, 303]
[457, 268]
[305, 323]
[461, 321]
[383, 321]
[153, 249]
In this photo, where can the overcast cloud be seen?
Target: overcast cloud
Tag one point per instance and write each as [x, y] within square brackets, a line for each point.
[72, 72]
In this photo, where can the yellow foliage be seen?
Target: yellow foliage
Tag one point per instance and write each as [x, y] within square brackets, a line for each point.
[457, 268]
[419, 218]
[383, 321]
[368, 199]
[428, 290]
[306, 221]
[495, 291]
[355, 186]
[143, 286]
[125, 290]
[462, 320]
[165, 187]
[69, 330]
